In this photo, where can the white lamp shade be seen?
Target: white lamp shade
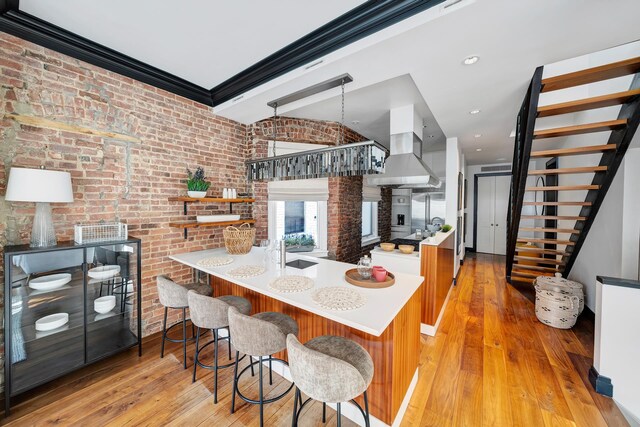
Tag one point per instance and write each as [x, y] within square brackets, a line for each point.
[39, 185]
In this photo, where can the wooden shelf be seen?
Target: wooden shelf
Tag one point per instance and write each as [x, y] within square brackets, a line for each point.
[195, 224]
[209, 200]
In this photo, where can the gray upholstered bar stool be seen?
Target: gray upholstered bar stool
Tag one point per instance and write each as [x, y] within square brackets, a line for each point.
[213, 314]
[173, 295]
[261, 336]
[329, 369]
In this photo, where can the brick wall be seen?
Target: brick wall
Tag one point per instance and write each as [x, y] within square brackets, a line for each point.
[113, 179]
[384, 220]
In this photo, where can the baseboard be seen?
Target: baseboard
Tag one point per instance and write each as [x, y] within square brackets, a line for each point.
[432, 329]
[469, 249]
[600, 383]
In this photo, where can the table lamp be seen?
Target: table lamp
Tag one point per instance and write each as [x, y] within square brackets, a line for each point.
[42, 187]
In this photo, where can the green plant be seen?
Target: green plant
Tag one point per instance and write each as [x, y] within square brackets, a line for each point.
[446, 228]
[299, 240]
[196, 181]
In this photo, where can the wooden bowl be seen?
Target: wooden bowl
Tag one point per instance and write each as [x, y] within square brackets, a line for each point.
[388, 246]
[406, 249]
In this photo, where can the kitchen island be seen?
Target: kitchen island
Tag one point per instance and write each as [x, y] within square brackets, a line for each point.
[435, 263]
[388, 325]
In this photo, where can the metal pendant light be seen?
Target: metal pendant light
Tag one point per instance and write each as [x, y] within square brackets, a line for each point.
[359, 158]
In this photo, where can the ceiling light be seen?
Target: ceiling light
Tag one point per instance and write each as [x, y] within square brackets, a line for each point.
[478, 149]
[478, 135]
[470, 60]
[474, 111]
[356, 122]
[432, 136]
[501, 159]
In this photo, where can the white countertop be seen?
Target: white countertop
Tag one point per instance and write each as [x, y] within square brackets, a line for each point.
[373, 318]
[438, 238]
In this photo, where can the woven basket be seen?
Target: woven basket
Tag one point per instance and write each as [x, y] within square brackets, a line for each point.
[555, 308]
[239, 240]
[563, 286]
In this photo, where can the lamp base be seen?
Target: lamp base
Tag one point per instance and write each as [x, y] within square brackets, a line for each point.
[43, 234]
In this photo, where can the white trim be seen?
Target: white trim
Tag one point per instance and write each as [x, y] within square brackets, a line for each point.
[429, 329]
[374, 236]
[367, 240]
[348, 409]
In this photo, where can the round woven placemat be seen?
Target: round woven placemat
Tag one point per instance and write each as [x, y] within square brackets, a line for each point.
[215, 261]
[289, 284]
[339, 298]
[247, 271]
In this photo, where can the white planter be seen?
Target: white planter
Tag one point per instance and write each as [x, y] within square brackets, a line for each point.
[197, 194]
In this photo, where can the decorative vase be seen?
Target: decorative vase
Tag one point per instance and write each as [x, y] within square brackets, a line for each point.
[197, 194]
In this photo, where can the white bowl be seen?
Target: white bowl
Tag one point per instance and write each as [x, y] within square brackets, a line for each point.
[104, 305]
[217, 218]
[52, 321]
[50, 282]
[104, 272]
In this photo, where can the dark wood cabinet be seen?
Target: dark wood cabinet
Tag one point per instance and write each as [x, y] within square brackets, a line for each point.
[63, 280]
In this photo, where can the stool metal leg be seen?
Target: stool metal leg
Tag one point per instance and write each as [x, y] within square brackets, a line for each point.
[295, 409]
[184, 337]
[261, 395]
[253, 374]
[229, 342]
[164, 331]
[195, 358]
[215, 364]
[235, 383]
[339, 414]
[366, 410]
[270, 372]
[324, 412]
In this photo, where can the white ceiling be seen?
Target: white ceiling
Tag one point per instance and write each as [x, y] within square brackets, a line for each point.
[202, 41]
[511, 37]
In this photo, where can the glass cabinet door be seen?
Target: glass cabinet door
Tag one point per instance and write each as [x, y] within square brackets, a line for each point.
[47, 316]
[111, 300]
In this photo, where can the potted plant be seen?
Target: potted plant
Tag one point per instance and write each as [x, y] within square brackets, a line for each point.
[299, 243]
[196, 185]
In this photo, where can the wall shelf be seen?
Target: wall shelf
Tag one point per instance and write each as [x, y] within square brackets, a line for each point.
[186, 225]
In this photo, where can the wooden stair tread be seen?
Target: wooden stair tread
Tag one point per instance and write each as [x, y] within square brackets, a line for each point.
[555, 217]
[590, 75]
[580, 129]
[546, 241]
[521, 267]
[564, 188]
[550, 230]
[561, 171]
[542, 251]
[588, 103]
[529, 280]
[574, 151]
[539, 260]
[531, 274]
[557, 203]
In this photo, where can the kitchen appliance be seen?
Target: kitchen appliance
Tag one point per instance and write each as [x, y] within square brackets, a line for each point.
[400, 219]
[425, 204]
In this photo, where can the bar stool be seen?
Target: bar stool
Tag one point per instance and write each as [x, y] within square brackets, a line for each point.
[260, 335]
[213, 314]
[329, 369]
[173, 295]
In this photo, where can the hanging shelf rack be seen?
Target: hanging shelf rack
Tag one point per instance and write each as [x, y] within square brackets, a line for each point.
[186, 225]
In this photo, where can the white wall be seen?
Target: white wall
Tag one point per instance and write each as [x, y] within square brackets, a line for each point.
[454, 165]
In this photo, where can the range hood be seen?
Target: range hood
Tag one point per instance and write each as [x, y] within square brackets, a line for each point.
[404, 168]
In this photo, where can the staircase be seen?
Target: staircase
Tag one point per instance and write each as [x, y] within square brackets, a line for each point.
[555, 248]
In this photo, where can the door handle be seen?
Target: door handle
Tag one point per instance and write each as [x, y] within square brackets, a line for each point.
[496, 225]
[492, 225]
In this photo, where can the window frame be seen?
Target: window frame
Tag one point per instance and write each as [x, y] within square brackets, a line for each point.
[374, 237]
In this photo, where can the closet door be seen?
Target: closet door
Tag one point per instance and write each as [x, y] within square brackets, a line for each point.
[501, 205]
[486, 207]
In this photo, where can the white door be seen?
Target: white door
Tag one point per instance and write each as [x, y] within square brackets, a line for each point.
[503, 185]
[486, 206]
[493, 203]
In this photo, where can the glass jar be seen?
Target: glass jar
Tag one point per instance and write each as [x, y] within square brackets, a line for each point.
[364, 267]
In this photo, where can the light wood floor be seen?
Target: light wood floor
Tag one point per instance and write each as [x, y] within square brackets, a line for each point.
[492, 363]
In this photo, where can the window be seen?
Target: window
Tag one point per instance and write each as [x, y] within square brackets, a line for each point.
[370, 223]
[296, 218]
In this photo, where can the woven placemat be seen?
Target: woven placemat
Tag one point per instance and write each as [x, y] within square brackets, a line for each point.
[247, 271]
[339, 298]
[288, 284]
[215, 261]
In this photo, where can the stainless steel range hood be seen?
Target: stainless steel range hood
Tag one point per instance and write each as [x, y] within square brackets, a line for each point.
[404, 168]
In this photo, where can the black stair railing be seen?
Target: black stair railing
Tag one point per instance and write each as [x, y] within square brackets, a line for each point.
[525, 126]
[612, 159]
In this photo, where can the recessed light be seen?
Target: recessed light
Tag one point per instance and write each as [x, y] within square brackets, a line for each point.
[478, 135]
[470, 60]
[501, 159]
[478, 149]
[474, 111]
[432, 136]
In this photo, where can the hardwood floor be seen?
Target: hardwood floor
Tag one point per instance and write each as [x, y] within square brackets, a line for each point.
[491, 363]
